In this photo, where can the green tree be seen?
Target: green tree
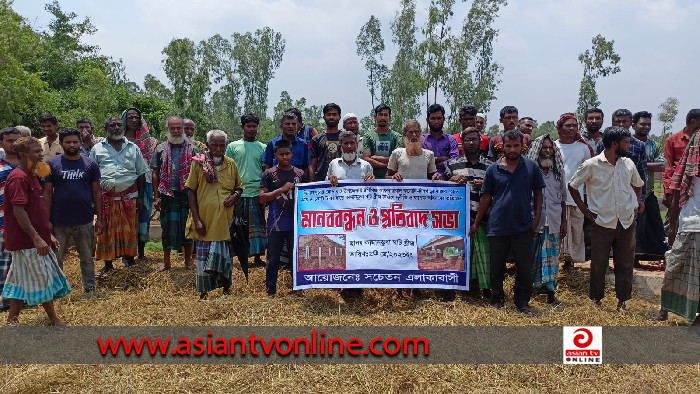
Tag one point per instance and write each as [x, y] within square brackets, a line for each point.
[180, 66]
[669, 111]
[547, 127]
[473, 74]
[370, 46]
[434, 49]
[599, 61]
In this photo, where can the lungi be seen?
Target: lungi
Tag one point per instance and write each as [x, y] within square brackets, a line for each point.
[119, 237]
[249, 208]
[145, 214]
[35, 279]
[573, 245]
[680, 292]
[214, 265]
[651, 237]
[173, 220]
[480, 258]
[545, 264]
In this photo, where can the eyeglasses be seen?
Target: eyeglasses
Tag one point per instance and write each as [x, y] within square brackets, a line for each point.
[472, 140]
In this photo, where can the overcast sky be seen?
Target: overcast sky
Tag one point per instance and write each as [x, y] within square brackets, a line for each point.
[538, 46]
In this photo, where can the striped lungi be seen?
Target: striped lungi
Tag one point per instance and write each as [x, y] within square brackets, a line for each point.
[480, 258]
[173, 220]
[545, 264]
[5, 260]
[681, 289]
[119, 237]
[35, 279]
[250, 209]
[144, 230]
[214, 265]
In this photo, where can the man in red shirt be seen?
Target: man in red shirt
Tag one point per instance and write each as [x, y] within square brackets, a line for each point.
[674, 148]
[35, 276]
[468, 117]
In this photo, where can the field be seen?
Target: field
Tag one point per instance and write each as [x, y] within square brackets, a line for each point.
[139, 296]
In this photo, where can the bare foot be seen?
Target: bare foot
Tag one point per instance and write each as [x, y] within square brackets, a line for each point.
[12, 321]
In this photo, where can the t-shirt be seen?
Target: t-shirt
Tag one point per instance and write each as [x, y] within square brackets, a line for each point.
[301, 157]
[175, 153]
[412, 167]
[248, 157]
[463, 167]
[511, 211]
[281, 213]
[72, 180]
[24, 189]
[381, 145]
[324, 147]
[573, 155]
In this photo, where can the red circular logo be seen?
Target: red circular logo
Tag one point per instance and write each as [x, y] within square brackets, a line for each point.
[584, 339]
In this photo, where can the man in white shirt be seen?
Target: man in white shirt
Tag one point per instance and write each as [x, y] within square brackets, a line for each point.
[614, 190]
[574, 153]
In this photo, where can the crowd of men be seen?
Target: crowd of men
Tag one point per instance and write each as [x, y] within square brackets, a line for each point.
[535, 203]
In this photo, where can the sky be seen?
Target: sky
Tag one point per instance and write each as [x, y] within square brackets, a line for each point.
[538, 46]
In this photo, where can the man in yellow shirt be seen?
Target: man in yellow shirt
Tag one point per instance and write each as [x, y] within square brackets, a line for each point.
[49, 126]
[214, 186]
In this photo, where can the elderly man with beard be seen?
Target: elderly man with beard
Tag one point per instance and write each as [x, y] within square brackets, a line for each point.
[552, 225]
[171, 167]
[123, 170]
[213, 187]
[136, 131]
[35, 276]
[614, 188]
[470, 169]
[513, 183]
[412, 162]
[189, 128]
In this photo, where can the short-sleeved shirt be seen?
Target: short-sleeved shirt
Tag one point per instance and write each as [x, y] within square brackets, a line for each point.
[638, 154]
[573, 155]
[325, 147]
[50, 150]
[24, 189]
[301, 156]
[444, 145]
[5, 170]
[554, 193]
[358, 170]
[248, 157]
[412, 167]
[673, 150]
[175, 154]
[72, 203]
[281, 211]
[381, 145]
[210, 200]
[463, 167]
[511, 207]
[119, 170]
[609, 189]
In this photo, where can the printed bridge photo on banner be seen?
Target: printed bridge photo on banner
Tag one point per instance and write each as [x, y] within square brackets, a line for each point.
[383, 234]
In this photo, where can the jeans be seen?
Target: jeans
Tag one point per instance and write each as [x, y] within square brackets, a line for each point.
[274, 250]
[83, 238]
[522, 248]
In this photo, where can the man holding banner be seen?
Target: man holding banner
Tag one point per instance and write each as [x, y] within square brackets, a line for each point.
[511, 185]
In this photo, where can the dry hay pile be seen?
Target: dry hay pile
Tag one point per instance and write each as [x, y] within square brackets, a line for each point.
[139, 296]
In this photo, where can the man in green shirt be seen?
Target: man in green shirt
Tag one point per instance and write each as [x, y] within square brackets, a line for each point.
[248, 153]
[377, 145]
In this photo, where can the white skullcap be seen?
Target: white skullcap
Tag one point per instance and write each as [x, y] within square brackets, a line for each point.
[347, 116]
[480, 115]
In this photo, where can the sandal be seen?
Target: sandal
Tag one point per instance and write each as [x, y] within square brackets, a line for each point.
[162, 268]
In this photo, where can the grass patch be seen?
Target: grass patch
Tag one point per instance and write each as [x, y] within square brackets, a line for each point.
[154, 246]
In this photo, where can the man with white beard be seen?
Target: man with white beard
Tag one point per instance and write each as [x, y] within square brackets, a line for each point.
[412, 162]
[189, 126]
[171, 167]
[122, 168]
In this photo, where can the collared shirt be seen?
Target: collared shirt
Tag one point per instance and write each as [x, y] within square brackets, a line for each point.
[610, 195]
[358, 170]
[654, 155]
[638, 154]
[673, 150]
[210, 200]
[444, 145]
[553, 195]
[301, 155]
[511, 208]
[248, 157]
[50, 150]
[461, 166]
[119, 170]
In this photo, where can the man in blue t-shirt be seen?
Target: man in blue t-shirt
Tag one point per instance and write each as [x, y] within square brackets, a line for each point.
[72, 193]
[509, 187]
